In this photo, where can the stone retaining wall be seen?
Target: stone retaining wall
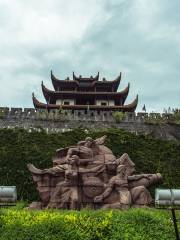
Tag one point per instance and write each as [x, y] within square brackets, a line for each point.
[57, 120]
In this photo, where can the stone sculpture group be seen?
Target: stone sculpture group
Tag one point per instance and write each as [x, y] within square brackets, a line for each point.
[89, 175]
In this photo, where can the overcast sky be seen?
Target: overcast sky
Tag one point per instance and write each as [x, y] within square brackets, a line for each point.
[140, 38]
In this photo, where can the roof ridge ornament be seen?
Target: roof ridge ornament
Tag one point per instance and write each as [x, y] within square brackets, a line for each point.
[75, 78]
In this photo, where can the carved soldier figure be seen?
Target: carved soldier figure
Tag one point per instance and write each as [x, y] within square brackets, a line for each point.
[84, 149]
[65, 194]
[120, 184]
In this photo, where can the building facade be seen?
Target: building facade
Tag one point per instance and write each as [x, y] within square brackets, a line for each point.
[85, 93]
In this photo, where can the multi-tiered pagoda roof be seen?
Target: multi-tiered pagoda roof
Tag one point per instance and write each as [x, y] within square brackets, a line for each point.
[82, 93]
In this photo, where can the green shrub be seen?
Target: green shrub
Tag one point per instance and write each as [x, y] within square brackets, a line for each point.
[19, 147]
[2, 115]
[176, 116]
[157, 119]
[154, 121]
[119, 116]
[134, 224]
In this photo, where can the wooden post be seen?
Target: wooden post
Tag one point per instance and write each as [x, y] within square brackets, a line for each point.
[175, 223]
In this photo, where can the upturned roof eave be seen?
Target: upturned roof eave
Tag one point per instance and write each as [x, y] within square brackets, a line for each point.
[126, 108]
[76, 82]
[50, 93]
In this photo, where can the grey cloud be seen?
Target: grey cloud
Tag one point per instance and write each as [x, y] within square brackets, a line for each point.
[151, 65]
[112, 40]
